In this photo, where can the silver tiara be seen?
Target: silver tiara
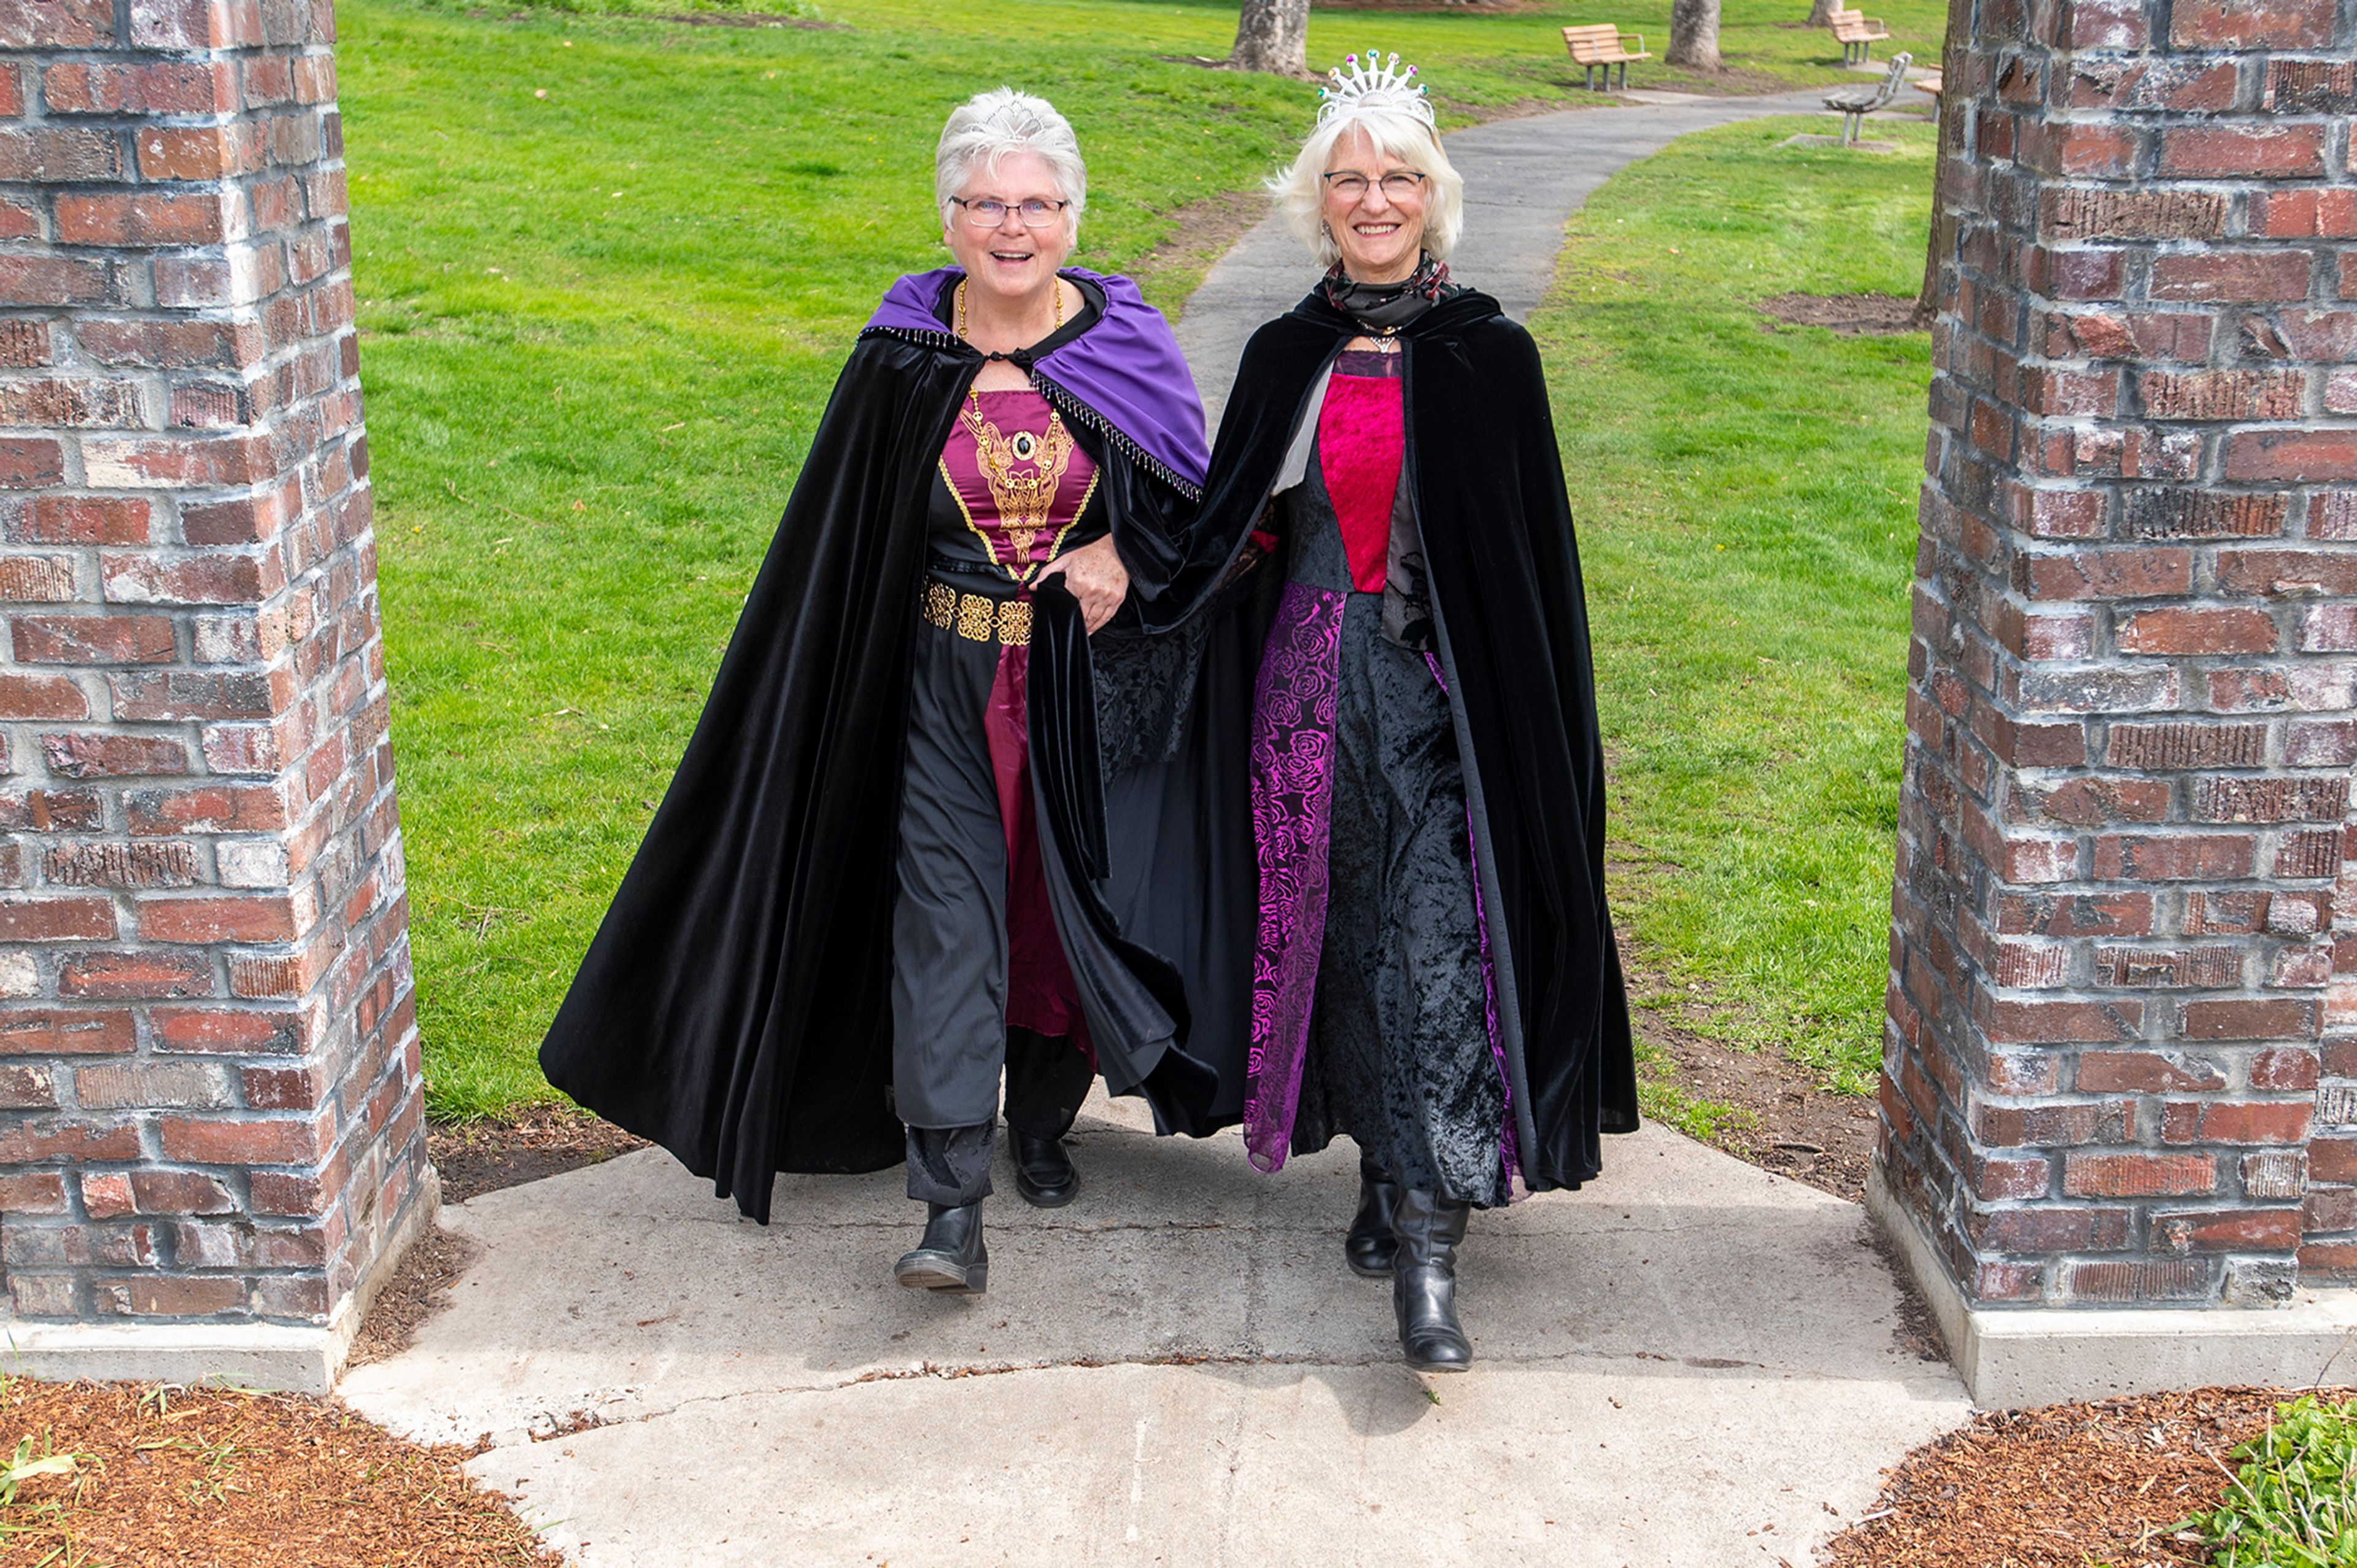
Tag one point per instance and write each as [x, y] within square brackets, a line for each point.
[1375, 85]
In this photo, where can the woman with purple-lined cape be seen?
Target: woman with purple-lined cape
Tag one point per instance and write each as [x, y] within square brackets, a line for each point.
[910, 848]
[1433, 970]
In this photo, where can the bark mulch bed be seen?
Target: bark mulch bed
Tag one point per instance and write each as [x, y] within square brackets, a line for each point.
[1851, 315]
[2065, 1486]
[210, 1478]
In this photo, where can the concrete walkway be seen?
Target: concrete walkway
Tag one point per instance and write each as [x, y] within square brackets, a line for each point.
[1691, 1362]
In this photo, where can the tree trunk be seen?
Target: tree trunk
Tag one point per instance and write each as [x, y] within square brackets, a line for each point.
[1694, 34]
[1272, 35]
[1821, 15]
[1942, 242]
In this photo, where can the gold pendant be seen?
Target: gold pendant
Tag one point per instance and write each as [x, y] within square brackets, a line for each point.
[1023, 501]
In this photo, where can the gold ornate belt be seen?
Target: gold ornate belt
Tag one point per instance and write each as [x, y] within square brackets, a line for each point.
[977, 618]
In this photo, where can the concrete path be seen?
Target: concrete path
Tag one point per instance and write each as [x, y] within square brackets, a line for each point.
[1523, 180]
[1689, 1362]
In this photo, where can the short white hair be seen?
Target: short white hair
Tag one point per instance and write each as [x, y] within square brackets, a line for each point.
[989, 125]
[1300, 190]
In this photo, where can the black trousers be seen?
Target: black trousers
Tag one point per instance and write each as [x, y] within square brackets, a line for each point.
[1048, 1076]
[951, 1043]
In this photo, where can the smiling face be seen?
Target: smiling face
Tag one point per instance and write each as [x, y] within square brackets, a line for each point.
[1012, 260]
[1380, 232]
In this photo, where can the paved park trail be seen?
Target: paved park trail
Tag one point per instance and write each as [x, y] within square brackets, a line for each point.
[1690, 1362]
[1523, 180]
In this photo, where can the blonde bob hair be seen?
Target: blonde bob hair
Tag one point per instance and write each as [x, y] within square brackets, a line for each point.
[988, 126]
[1300, 193]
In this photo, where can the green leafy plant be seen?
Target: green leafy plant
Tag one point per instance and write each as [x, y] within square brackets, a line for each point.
[2293, 1504]
[25, 1517]
[25, 1466]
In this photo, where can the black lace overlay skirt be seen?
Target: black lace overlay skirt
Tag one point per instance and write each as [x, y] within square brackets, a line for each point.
[1399, 1055]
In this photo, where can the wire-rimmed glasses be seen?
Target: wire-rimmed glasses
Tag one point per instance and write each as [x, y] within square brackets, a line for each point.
[989, 212]
[1350, 184]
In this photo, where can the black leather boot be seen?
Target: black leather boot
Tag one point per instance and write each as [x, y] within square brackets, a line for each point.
[1043, 1171]
[1371, 1246]
[1424, 1282]
[950, 1256]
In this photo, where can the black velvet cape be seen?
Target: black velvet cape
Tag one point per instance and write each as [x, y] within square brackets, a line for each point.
[735, 1006]
[1486, 480]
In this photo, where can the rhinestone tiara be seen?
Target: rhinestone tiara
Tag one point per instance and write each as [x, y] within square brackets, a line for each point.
[1377, 84]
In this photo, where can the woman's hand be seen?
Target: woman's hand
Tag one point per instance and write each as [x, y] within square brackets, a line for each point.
[1094, 576]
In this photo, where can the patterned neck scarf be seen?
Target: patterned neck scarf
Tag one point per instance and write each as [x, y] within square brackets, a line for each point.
[1382, 307]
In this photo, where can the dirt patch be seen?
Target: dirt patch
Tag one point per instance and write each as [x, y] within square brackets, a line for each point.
[474, 1158]
[1852, 315]
[750, 19]
[1202, 232]
[165, 1476]
[1520, 109]
[1786, 1121]
[1798, 1127]
[1728, 81]
[2060, 1487]
[414, 1295]
[477, 1157]
[1917, 1332]
[1457, 7]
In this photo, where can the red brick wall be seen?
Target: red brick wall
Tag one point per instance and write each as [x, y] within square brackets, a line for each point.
[210, 1095]
[2121, 1063]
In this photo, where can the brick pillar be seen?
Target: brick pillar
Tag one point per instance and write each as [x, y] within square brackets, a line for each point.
[2124, 926]
[210, 1113]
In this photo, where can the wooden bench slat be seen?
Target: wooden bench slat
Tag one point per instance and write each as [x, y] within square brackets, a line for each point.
[1603, 44]
[1857, 32]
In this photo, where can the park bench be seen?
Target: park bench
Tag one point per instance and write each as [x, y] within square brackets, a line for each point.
[1607, 46]
[1857, 33]
[1854, 103]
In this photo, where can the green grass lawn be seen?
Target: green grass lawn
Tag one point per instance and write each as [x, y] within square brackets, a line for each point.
[608, 267]
[1747, 502]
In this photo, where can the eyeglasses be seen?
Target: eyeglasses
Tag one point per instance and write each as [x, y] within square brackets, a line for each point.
[1398, 186]
[989, 212]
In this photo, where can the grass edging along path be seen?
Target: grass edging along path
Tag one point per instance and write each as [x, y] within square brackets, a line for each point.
[1746, 495]
[607, 267]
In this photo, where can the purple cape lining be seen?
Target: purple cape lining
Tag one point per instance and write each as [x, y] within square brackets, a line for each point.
[1127, 367]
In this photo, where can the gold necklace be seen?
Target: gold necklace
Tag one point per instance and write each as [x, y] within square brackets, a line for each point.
[1024, 500]
[1052, 332]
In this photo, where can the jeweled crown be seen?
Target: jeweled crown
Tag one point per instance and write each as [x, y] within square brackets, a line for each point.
[1377, 84]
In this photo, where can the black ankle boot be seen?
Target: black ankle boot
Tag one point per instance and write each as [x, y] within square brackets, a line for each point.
[1424, 1282]
[950, 1256]
[1043, 1171]
[1371, 1246]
